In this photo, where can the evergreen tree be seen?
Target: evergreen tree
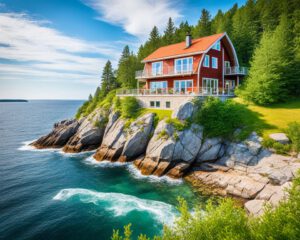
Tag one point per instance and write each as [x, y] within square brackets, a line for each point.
[126, 69]
[203, 28]
[269, 78]
[181, 31]
[169, 33]
[108, 80]
[154, 40]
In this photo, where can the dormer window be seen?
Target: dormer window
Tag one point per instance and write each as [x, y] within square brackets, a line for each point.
[156, 68]
[217, 46]
[206, 61]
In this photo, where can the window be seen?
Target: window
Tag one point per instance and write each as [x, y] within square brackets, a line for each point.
[160, 86]
[206, 61]
[184, 65]
[168, 104]
[227, 64]
[217, 46]
[157, 104]
[183, 86]
[156, 68]
[214, 62]
[152, 104]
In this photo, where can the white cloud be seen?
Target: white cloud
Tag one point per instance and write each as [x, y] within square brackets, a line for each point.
[136, 17]
[37, 51]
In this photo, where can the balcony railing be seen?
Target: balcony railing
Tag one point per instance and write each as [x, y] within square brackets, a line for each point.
[177, 92]
[236, 71]
[166, 71]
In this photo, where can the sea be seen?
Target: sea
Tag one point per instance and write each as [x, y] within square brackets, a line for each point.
[48, 194]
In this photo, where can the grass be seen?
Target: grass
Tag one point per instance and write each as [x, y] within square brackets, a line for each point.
[274, 118]
[160, 113]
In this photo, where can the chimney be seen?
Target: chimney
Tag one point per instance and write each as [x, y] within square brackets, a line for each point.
[188, 40]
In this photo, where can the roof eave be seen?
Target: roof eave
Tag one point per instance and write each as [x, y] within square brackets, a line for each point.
[173, 56]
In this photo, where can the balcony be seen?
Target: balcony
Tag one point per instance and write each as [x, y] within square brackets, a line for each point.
[204, 91]
[235, 71]
[181, 70]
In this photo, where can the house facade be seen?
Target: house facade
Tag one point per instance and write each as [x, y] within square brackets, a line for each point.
[206, 66]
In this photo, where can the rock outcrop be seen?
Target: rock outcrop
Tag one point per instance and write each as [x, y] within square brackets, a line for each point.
[89, 134]
[184, 111]
[280, 137]
[170, 151]
[125, 143]
[59, 136]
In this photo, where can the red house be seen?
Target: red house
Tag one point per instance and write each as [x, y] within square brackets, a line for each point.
[206, 66]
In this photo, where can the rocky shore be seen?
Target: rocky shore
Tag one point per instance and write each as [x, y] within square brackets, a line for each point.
[240, 169]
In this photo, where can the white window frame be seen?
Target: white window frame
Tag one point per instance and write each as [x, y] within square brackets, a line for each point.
[216, 62]
[155, 88]
[217, 46]
[206, 64]
[226, 64]
[155, 73]
[185, 89]
[189, 65]
[210, 90]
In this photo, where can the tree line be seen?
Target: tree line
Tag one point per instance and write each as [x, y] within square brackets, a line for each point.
[265, 33]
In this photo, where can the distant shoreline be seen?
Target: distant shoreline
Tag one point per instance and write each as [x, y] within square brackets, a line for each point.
[13, 100]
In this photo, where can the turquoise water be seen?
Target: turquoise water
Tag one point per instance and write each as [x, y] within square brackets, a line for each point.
[46, 194]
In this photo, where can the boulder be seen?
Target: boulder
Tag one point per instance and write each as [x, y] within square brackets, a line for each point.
[89, 134]
[138, 136]
[255, 207]
[179, 170]
[210, 150]
[184, 111]
[59, 136]
[280, 137]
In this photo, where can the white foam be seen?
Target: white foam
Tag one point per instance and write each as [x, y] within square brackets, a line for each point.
[165, 179]
[104, 164]
[27, 147]
[121, 204]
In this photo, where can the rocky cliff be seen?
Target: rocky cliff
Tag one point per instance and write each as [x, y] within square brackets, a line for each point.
[214, 165]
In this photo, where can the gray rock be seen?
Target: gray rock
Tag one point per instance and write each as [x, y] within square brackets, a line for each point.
[59, 135]
[210, 150]
[184, 111]
[280, 137]
[255, 207]
[139, 136]
[89, 134]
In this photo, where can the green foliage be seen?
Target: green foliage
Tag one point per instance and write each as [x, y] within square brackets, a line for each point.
[269, 75]
[223, 118]
[293, 132]
[130, 107]
[225, 220]
[203, 28]
[278, 147]
[163, 135]
[169, 33]
[108, 80]
[177, 124]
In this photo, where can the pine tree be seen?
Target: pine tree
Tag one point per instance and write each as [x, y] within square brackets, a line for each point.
[154, 39]
[169, 33]
[269, 78]
[126, 69]
[181, 31]
[203, 28]
[108, 80]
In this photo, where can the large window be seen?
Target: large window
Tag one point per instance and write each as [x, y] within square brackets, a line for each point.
[156, 68]
[217, 46]
[158, 87]
[184, 65]
[214, 62]
[210, 86]
[183, 86]
[206, 61]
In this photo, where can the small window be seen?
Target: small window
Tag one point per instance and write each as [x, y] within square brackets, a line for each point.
[214, 62]
[217, 46]
[168, 104]
[157, 104]
[206, 61]
[227, 64]
[152, 104]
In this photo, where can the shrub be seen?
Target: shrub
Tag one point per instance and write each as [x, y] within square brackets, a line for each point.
[130, 107]
[220, 118]
[278, 147]
[293, 132]
[177, 124]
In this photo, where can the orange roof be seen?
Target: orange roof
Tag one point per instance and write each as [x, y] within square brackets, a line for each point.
[198, 45]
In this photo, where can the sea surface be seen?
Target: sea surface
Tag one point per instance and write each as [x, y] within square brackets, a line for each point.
[47, 194]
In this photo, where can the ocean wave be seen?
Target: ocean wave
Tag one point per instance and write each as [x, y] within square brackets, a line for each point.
[134, 172]
[121, 204]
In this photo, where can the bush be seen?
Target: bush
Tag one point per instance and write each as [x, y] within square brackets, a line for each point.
[293, 132]
[130, 107]
[278, 147]
[177, 124]
[220, 119]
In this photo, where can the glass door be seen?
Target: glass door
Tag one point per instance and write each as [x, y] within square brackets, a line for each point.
[210, 86]
[183, 86]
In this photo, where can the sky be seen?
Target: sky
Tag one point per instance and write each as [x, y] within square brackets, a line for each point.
[56, 49]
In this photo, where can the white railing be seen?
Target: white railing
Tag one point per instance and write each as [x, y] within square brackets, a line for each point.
[177, 92]
[165, 71]
[236, 71]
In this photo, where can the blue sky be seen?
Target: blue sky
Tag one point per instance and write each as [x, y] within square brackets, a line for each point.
[56, 49]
